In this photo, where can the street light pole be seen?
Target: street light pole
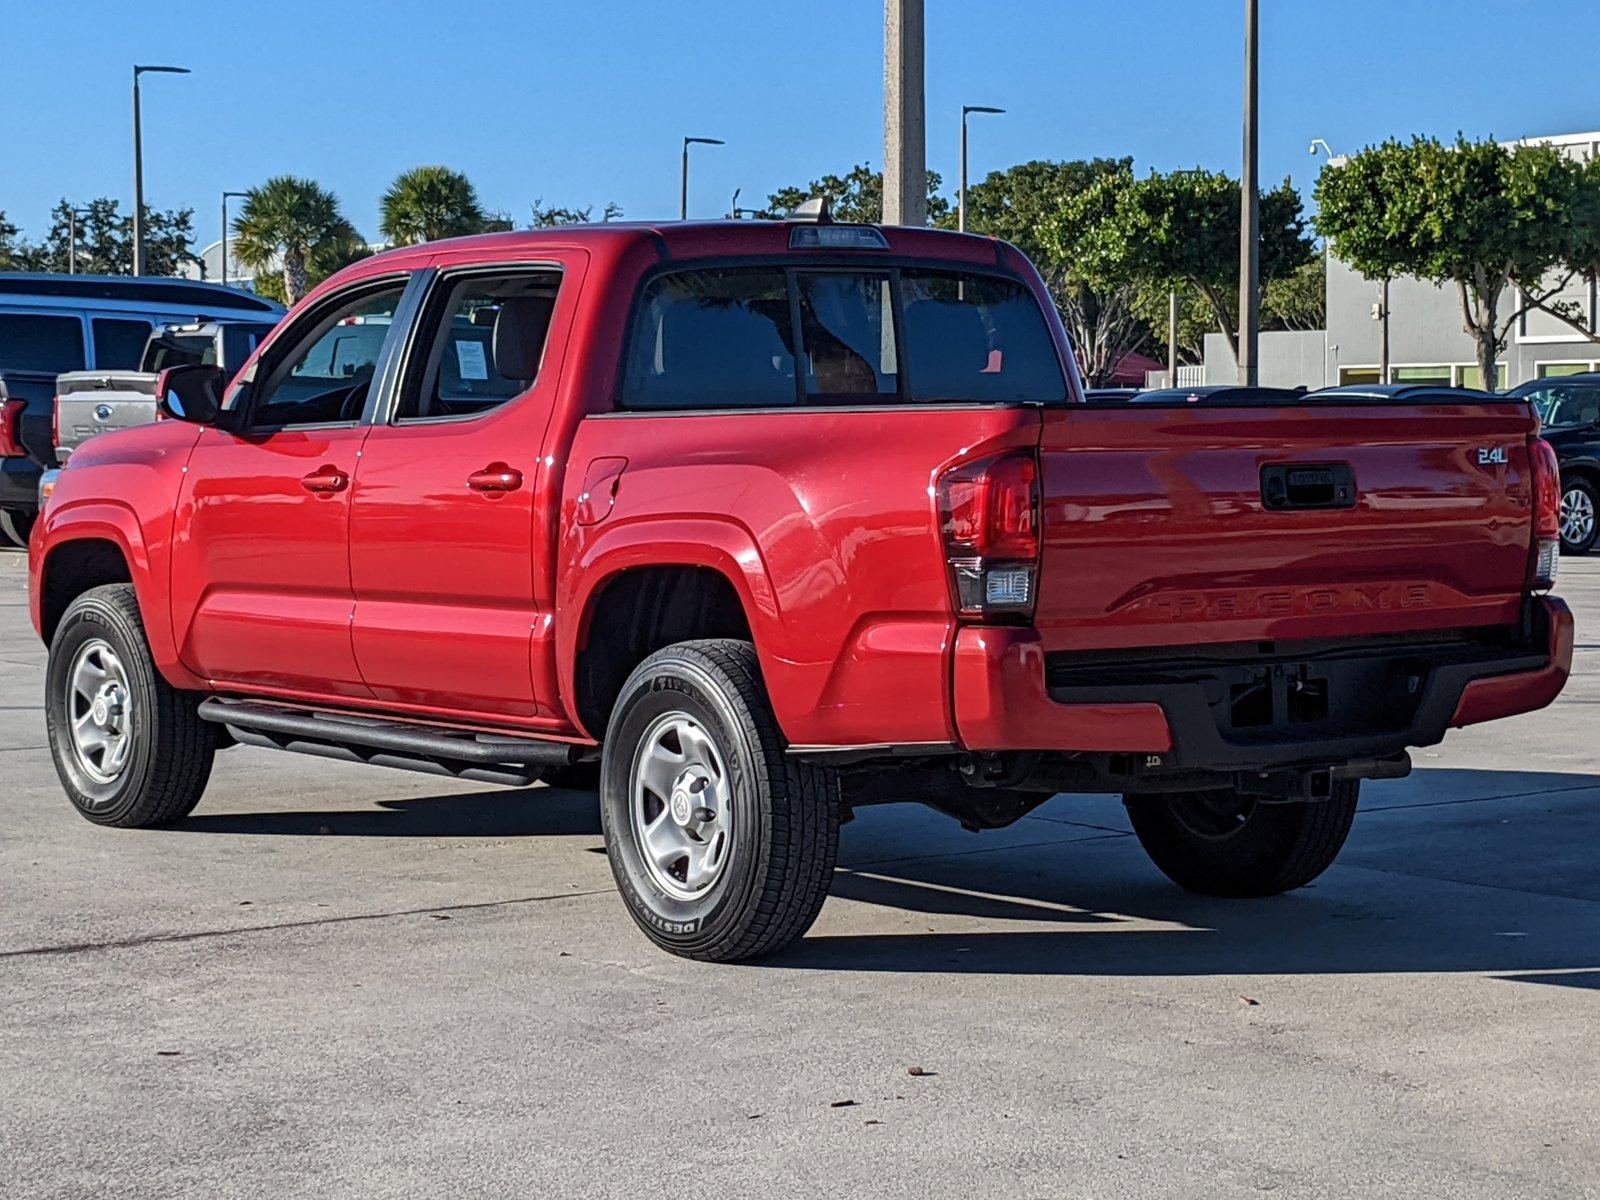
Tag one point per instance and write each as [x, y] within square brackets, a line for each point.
[1250, 210]
[683, 178]
[1327, 263]
[138, 165]
[961, 196]
[225, 197]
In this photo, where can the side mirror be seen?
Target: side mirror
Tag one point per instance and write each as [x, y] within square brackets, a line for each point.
[191, 394]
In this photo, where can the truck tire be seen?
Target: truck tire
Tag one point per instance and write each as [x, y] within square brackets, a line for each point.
[1580, 516]
[15, 526]
[722, 845]
[1223, 844]
[129, 747]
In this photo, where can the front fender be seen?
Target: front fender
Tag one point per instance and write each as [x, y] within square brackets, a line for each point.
[67, 521]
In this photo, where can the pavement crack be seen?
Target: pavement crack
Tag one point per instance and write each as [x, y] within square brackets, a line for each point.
[157, 939]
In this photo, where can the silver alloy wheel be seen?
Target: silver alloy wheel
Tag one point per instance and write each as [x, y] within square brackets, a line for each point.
[1577, 516]
[99, 711]
[680, 806]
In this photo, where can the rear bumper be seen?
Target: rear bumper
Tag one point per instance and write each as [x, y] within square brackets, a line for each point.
[1490, 698]
[1371, 698]
[19, 483]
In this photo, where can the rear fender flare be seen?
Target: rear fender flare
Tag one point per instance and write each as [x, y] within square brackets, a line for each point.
[719, 545]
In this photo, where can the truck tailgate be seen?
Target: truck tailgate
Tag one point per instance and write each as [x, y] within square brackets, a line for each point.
[93, 402]
[1182, 526]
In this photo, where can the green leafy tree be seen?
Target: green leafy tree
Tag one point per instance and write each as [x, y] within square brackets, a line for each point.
[546, 216]
[13, 251]
[1487, 218]
[105, 241]
[1037, 206]
[1298, 300]
[854, 197]
[1181, 230]
[425, 204]
[296, 225]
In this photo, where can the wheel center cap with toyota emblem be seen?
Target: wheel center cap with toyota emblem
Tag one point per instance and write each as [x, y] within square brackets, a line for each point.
[682, 804]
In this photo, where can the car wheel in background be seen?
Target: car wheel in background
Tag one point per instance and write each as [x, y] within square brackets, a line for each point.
[15, 526]
[1222, 843]
[722, 844]
[1578, 524]
[130, 748]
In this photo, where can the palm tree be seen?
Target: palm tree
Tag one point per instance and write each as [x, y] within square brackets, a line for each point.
[428, 203]
[296, 224]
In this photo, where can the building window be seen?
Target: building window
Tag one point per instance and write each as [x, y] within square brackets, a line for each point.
[1471, 377]
[1430, 374]
[1358, 375]
[1557, 370]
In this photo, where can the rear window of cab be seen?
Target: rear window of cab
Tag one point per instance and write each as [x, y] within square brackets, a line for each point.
[777, 336]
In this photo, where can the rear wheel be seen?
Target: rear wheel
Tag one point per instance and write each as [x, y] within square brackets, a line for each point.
[15, 526]
[722, 845]
[1578, 524]
[1221, 843]
[130, 748]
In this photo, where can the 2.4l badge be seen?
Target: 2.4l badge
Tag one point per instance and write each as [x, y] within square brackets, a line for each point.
[1493, 456]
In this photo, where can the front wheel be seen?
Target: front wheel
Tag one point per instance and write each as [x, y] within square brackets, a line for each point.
[1578, 525]
[721, 844]
[130, 749]
[1222, 843]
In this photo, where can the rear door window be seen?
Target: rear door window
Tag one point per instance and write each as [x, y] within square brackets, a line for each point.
[119, 344]
[717, 339]
[713, 339]
[37, 342]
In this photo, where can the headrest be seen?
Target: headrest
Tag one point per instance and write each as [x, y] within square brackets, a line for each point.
[519, 332]
[946, 338]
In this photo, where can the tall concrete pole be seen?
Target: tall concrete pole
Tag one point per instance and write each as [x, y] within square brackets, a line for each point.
[1250, 212]
[905, 144]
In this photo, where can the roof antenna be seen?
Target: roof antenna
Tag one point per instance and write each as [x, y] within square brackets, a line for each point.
[814, 210]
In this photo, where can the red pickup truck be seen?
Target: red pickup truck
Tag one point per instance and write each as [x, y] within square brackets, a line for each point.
[769, 521]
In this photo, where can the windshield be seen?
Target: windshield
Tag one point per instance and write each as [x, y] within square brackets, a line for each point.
[1566, 405]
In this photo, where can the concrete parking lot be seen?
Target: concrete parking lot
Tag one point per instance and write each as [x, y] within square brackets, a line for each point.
[335, 981]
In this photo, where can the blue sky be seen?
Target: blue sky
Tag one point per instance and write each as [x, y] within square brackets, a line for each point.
[585, 102]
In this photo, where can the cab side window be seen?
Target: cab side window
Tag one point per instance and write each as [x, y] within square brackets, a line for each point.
[480, 343]
[119, 344]
[323, 377]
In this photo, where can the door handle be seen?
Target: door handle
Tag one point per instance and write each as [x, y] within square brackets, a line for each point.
[325, 481]
[495, 479]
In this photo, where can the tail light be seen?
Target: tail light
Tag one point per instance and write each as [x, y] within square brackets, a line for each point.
[11, 428]
[989, 522]
[55, 422]
[1545, 473]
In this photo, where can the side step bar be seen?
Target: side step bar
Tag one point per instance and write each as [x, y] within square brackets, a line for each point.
[352, 738]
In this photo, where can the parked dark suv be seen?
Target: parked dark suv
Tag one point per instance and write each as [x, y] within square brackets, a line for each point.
[1569, 409]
